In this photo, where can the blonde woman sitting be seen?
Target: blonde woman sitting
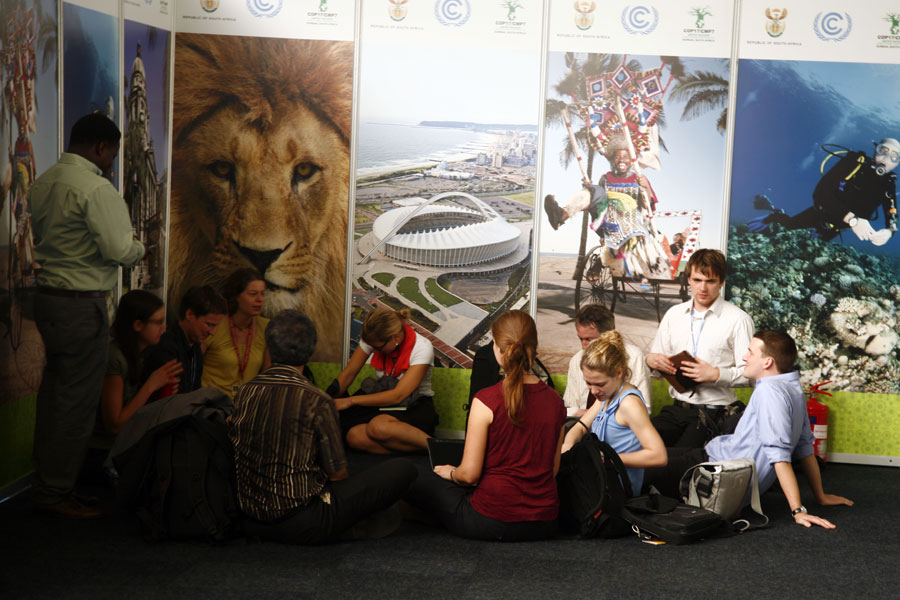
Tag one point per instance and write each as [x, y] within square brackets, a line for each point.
[618, 415]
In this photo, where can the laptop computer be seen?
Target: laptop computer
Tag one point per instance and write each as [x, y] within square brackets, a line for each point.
[445, 451]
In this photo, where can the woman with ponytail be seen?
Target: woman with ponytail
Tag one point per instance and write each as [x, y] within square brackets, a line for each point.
[395, 411]
[505, 488]
[618, 415]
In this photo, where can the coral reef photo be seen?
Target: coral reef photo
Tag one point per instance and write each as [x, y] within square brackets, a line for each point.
[839, 304]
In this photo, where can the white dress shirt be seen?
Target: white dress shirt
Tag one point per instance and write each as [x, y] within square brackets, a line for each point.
[720, 336]
[576, 394]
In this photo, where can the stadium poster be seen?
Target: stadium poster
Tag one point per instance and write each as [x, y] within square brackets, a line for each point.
[813, 244]
[145, 146]
[261, 152]
[660, 72]
[446, 166]
[91, 80]
[29, 145]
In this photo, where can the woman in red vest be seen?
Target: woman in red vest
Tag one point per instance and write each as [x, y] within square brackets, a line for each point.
[505, 487]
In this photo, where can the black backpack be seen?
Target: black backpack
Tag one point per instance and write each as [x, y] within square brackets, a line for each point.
[593, 487]
[180, 480]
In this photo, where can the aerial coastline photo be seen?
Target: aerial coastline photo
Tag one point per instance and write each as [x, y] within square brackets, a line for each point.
[445, 203]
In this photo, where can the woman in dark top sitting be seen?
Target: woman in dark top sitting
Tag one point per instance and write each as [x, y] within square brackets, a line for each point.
[505, 488]
[139, 323]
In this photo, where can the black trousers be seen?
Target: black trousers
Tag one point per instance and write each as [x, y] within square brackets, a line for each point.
[449, 502]
[348, 501]
[680, 426]
[666, 479]
[75, 332]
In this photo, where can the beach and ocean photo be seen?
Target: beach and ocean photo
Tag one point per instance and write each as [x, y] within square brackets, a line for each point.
[444, 189]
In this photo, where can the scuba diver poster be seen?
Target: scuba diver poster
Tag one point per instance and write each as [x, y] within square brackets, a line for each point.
[813, 245]
[633, 163]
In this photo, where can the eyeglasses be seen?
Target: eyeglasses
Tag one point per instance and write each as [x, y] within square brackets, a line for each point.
[883, 150]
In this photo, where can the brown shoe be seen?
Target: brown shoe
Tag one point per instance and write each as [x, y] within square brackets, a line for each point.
[69, 508]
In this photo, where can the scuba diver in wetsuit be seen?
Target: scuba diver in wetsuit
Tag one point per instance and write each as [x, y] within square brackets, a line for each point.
[847, 197]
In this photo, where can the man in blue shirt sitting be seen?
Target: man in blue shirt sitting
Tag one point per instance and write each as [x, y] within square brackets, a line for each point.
[773, 431]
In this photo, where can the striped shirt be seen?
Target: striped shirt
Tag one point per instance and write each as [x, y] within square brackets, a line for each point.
[287, 442]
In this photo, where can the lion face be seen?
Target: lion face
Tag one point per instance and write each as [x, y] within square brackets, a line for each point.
[261, 171]
[275, 194]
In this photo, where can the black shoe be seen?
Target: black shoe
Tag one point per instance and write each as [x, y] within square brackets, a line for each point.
[555, 214]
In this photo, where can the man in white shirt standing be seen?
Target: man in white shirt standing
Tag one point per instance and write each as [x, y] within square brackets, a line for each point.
[717, 334]
[590, 321]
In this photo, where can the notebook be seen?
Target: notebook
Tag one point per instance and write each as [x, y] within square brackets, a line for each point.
[445, 451]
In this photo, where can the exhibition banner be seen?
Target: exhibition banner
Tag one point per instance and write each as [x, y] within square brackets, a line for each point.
[29, 145]
[813, 244]
[449, 98]
[633, 172]
[145, 146]
[262, 108]
[91, 81]
[290, 19]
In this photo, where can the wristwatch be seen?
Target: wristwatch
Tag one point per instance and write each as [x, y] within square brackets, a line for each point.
[798, 510]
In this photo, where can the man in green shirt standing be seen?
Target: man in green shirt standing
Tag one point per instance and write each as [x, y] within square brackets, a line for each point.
[82, 234]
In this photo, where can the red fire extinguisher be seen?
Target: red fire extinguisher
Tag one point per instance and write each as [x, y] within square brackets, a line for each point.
[818, 419]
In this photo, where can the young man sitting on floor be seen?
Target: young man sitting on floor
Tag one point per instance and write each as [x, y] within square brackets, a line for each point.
[774, 429]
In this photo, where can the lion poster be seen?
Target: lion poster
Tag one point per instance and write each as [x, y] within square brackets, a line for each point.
[260, 171]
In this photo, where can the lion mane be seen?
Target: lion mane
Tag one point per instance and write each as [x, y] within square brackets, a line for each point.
[261, 131]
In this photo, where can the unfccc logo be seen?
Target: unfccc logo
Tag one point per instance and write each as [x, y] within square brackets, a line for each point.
[832, 26]
[640, 19]
[264, 8]
[452, 12]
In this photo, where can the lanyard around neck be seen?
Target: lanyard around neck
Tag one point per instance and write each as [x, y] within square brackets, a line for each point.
[696, 341]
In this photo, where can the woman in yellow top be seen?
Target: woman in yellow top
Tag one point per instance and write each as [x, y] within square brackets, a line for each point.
[237, 352]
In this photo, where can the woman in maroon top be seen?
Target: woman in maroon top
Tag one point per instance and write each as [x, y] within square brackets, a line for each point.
[505, 488]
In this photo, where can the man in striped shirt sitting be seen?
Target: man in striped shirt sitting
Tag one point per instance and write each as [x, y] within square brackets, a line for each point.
[289, 457]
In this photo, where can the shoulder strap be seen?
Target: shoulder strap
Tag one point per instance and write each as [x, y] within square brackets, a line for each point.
[610, 454]
[753, 522]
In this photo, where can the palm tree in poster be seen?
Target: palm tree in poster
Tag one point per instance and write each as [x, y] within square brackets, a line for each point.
[574, 86]
[703, 91]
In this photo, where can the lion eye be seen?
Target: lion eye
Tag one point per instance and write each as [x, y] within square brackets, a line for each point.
[303, 172]
[222, 169]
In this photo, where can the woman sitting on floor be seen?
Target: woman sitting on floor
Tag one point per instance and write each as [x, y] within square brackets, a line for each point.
[236, 352]
[403, 361]
[139, 322]
[511, 454]
[618, 415]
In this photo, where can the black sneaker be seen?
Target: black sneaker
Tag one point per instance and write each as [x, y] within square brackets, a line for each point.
[555, 214]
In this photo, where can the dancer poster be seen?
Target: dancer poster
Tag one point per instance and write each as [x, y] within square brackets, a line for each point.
[29, 125]
[634, 94]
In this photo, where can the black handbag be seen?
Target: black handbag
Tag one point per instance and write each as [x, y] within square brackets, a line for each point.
[656, 517]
